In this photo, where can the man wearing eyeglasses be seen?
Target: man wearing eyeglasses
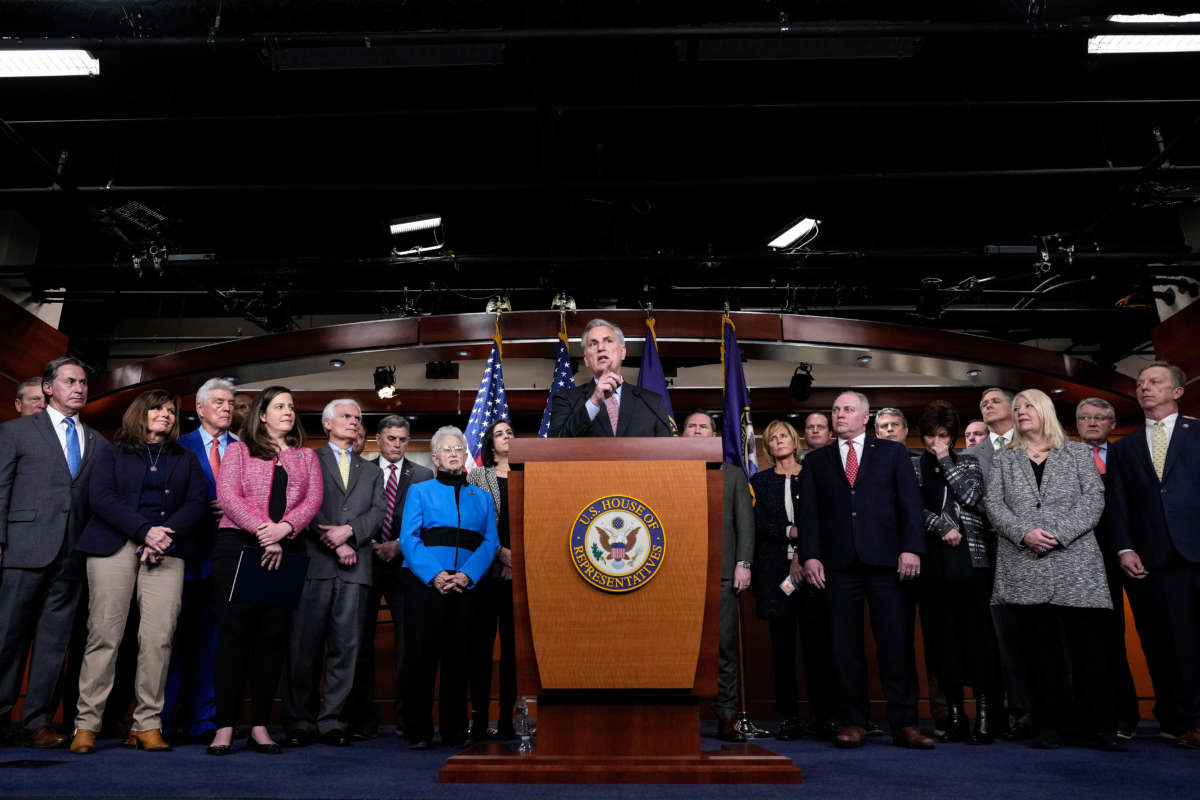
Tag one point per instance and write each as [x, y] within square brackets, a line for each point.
[399, 473]
[1095, 420]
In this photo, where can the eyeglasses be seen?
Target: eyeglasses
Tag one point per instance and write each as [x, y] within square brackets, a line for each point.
[458, 448]
[1091, 418]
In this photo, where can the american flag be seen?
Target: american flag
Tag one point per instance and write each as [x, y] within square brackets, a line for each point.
[490, 402]
[563, 378]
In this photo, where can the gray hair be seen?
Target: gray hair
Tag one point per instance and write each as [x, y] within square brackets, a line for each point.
[601, 323]
[435, 443]
[890, 412]
[393, 421]
[862, 398]
[210, 386]
[30, 383]
[1103, 405]
[327, 414]
[1007, 394]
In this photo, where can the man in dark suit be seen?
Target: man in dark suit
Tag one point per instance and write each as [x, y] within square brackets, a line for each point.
[387, 584]
[861, 537]
[328, 623]
[190, 702]
[30, 399]
[737, 551]
[45, 462]
[606, 406]
[1154, 524]
[1095, 419]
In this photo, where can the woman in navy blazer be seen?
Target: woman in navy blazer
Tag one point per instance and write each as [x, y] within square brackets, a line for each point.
[147, 494]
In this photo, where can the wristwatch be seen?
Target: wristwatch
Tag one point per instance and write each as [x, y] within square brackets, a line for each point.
[744, 564]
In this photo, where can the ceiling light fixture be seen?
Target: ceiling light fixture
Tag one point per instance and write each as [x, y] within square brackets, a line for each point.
[1125, 43]
[406, 226]
[385, 382]
[864, 359]
[802, 381]
[47, 63]
[336, 363]
[421, 222]
[974, 372]
[799, 234]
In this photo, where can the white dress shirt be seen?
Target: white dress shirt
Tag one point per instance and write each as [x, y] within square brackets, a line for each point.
[1008, 437]
[857, 443]
[594, 409]
[56, 419]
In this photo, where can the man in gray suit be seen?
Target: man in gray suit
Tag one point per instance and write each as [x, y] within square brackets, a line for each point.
[995, 406]
[329, 619]
[737, 549]
[45, 463]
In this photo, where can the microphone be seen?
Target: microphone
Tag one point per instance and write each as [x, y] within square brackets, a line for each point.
[654, 411]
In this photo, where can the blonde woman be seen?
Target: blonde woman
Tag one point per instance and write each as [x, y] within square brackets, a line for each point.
[1044, 498]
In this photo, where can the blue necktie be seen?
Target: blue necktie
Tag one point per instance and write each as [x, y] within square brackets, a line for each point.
[73, 457]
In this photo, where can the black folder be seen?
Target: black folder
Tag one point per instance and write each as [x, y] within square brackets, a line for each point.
[255, 584]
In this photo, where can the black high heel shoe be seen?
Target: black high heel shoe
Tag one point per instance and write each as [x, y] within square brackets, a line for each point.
[219, 749]
[271, 749]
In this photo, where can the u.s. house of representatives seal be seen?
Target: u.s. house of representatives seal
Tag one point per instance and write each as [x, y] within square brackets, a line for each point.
[617, 543]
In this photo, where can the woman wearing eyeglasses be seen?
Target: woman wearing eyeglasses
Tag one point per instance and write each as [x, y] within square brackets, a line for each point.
[448, 539]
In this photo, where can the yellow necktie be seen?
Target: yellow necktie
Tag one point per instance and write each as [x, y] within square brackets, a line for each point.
[344, 468]
[1158, 451]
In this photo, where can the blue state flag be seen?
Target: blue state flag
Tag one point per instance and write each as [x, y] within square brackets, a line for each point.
[651, 375]
[564, 378]
[737, 432]
[490, 402]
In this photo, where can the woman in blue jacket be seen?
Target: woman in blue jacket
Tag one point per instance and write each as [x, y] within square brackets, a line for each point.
[147, 495]
[448, 538]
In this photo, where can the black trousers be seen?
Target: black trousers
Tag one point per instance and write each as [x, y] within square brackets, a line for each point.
[493, 613]
[252, 640]
[891, 607]
[1067, 652]
[387, 585]
[810, 620]
[438, 635]
[1156, 645]
[1174, 591]
[966, 641]
[1125, 697]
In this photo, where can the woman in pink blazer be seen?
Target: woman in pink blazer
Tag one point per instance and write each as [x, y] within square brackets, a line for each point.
[269, 489]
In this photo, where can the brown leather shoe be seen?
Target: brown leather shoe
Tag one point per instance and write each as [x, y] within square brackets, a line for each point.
[150, 741]
[912, 738]
[1189, 739]
[47, 738]
[84, 743]
[850, 736]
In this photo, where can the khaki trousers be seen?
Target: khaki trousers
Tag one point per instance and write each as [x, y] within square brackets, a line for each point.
[113, 582]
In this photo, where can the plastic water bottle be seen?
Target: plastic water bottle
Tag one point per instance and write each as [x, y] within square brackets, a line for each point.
[523, 730]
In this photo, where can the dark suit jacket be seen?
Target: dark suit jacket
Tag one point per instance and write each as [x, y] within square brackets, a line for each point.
[875, 521]
[643, 413]
[116, 489]
[40, 504]
[359, 505]
[1157, 519]
[205, 537]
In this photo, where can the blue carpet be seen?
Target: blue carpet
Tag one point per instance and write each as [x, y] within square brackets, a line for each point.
[384, 768]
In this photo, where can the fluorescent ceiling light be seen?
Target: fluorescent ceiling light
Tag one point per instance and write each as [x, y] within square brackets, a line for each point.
[1114, 43]
[47, 63]
[798, 234]
[420, 222]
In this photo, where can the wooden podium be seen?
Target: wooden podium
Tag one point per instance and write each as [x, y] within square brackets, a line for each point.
[618, 657]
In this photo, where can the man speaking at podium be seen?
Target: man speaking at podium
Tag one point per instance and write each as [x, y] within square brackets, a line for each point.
[606, 405]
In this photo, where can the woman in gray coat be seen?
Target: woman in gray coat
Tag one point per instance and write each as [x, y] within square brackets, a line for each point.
[1044, 498]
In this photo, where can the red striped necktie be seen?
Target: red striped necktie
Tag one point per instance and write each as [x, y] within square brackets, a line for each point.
[389, 492]
[851, 462]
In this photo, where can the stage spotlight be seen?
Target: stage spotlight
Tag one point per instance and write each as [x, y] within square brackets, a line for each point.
[930, 303]
[405, 226]
[385, 382]
[47, 63]
[802, 381]
[1113, 43]
[799, 234]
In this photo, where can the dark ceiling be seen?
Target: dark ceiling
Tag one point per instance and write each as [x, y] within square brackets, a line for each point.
[630, 153]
